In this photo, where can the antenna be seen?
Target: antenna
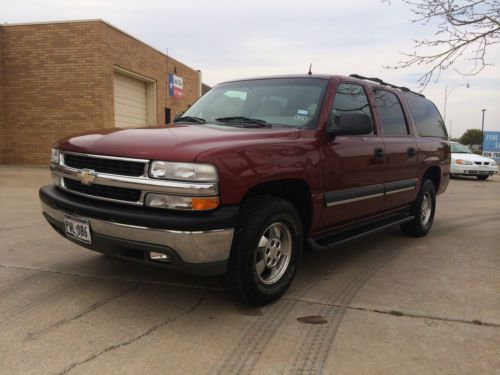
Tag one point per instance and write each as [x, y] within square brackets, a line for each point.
[309, 73]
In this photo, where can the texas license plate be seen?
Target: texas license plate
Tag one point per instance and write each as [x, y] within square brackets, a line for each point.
[77, 228]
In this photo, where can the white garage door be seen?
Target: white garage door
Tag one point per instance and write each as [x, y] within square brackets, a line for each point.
[130, 102]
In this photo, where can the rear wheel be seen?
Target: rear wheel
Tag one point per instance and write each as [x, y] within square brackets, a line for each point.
[265, 251]
[483, 177]
[423, 210]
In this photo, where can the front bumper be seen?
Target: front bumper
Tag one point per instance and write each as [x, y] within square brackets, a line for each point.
[473, 170]
[198, 244]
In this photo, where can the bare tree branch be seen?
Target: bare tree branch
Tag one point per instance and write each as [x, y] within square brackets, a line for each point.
[466, 29]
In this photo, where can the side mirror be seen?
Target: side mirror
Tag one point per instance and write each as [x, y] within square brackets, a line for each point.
[352, 124]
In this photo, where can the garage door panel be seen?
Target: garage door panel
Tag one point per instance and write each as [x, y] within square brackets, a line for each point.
[130, 101]
[122, 108]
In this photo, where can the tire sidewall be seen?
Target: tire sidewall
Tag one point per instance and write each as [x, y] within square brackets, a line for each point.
[427, 187]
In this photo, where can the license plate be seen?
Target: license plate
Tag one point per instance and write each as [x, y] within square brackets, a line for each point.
[77, 228]
[483, 172]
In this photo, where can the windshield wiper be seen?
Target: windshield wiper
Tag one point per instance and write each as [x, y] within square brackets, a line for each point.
[196, 120]
[245, 120]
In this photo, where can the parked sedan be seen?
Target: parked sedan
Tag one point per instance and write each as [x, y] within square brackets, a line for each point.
[465, 163]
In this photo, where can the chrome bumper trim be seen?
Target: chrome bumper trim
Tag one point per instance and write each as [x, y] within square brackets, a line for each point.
[191, 246]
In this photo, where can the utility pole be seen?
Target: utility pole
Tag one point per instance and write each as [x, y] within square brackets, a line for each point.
[482, 130]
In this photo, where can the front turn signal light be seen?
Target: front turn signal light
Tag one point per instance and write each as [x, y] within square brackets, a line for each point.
[203, 204]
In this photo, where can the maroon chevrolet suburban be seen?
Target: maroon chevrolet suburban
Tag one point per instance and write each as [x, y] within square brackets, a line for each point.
[253, 173]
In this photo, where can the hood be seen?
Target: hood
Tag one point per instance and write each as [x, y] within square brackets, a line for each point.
[470, 157]
[175, 142]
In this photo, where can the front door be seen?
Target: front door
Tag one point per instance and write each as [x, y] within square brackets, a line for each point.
[353, 167]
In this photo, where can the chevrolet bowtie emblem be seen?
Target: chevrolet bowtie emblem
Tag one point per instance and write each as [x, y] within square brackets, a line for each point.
[86, 176]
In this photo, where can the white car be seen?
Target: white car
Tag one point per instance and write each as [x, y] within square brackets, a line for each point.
[465, 163]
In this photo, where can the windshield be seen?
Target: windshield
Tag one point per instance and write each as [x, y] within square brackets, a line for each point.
[293, 102]
[458, 148]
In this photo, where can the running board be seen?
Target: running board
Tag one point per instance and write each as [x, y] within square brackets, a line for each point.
[336, 238]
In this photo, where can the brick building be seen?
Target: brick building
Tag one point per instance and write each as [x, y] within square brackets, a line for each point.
[62, 78]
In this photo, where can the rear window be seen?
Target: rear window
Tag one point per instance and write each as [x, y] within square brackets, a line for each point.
[426, 116]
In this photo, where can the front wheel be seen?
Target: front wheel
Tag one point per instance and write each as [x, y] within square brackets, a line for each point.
[483, 177]
[423, 210]
[265, 251]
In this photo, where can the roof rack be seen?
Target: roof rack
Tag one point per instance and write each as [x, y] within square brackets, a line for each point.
[380, 82]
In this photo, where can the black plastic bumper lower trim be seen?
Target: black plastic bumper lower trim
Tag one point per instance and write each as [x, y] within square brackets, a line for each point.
[224, 217]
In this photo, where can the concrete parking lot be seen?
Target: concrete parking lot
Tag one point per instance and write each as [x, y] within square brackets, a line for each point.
[389, 304]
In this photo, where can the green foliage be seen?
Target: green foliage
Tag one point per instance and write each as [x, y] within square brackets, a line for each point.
[472, 137]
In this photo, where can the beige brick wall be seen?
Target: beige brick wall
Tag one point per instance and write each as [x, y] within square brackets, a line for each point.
[58, 81]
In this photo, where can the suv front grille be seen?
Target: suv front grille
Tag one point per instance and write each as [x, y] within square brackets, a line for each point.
[104, 165]
[110, 192]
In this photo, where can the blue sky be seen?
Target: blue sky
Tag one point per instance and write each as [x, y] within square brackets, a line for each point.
[232, 39]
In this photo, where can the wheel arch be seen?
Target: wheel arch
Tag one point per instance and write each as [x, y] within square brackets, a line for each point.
[433, 173]
[295, 191]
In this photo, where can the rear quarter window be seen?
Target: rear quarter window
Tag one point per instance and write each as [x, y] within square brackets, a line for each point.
[426, 116]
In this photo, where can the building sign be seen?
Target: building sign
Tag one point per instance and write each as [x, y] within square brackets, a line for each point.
[175, 86]
[491, 145]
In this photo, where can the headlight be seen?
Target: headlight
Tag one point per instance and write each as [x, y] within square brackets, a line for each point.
[183, 171]
[463, 162]
[181, 203]
[493, 163]
[55, 156]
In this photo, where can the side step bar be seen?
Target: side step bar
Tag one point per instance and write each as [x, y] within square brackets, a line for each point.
[339, 237]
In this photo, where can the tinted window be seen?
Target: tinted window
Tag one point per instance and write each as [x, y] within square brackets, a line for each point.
[349, 98]
[426, 116]
[391, 113]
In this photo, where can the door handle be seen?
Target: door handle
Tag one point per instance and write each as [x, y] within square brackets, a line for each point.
[379, 153]
[411, 152]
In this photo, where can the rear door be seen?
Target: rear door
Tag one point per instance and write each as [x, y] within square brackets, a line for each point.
[353, 166]
[400, 150]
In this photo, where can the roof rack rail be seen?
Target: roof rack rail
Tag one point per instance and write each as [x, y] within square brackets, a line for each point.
[380, 82]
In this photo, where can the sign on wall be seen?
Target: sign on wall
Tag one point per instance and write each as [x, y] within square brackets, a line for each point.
[175, 86]
[491, 145]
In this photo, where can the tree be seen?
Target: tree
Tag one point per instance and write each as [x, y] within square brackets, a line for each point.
[466, 30]
[472, 137]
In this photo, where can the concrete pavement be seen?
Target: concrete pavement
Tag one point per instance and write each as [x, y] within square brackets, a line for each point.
[392, 304]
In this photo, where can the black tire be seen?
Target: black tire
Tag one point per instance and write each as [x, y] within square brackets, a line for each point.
[483, 177]
[422, 224]
[242, 279]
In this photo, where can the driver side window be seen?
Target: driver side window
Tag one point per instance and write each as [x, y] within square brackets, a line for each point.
[349, 98]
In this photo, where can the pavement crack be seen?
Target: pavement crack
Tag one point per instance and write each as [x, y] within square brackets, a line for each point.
[146, 333]
[399, 313]
[111, 278]
[93, 307]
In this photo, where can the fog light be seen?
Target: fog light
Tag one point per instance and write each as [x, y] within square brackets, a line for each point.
[160, 257]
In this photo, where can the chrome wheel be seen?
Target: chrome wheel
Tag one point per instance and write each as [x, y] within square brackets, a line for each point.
[426, 209]
[273, 253]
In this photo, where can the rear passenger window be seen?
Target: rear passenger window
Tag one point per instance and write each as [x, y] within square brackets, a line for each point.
[391, 113]
[426, 116]
[349, 98]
